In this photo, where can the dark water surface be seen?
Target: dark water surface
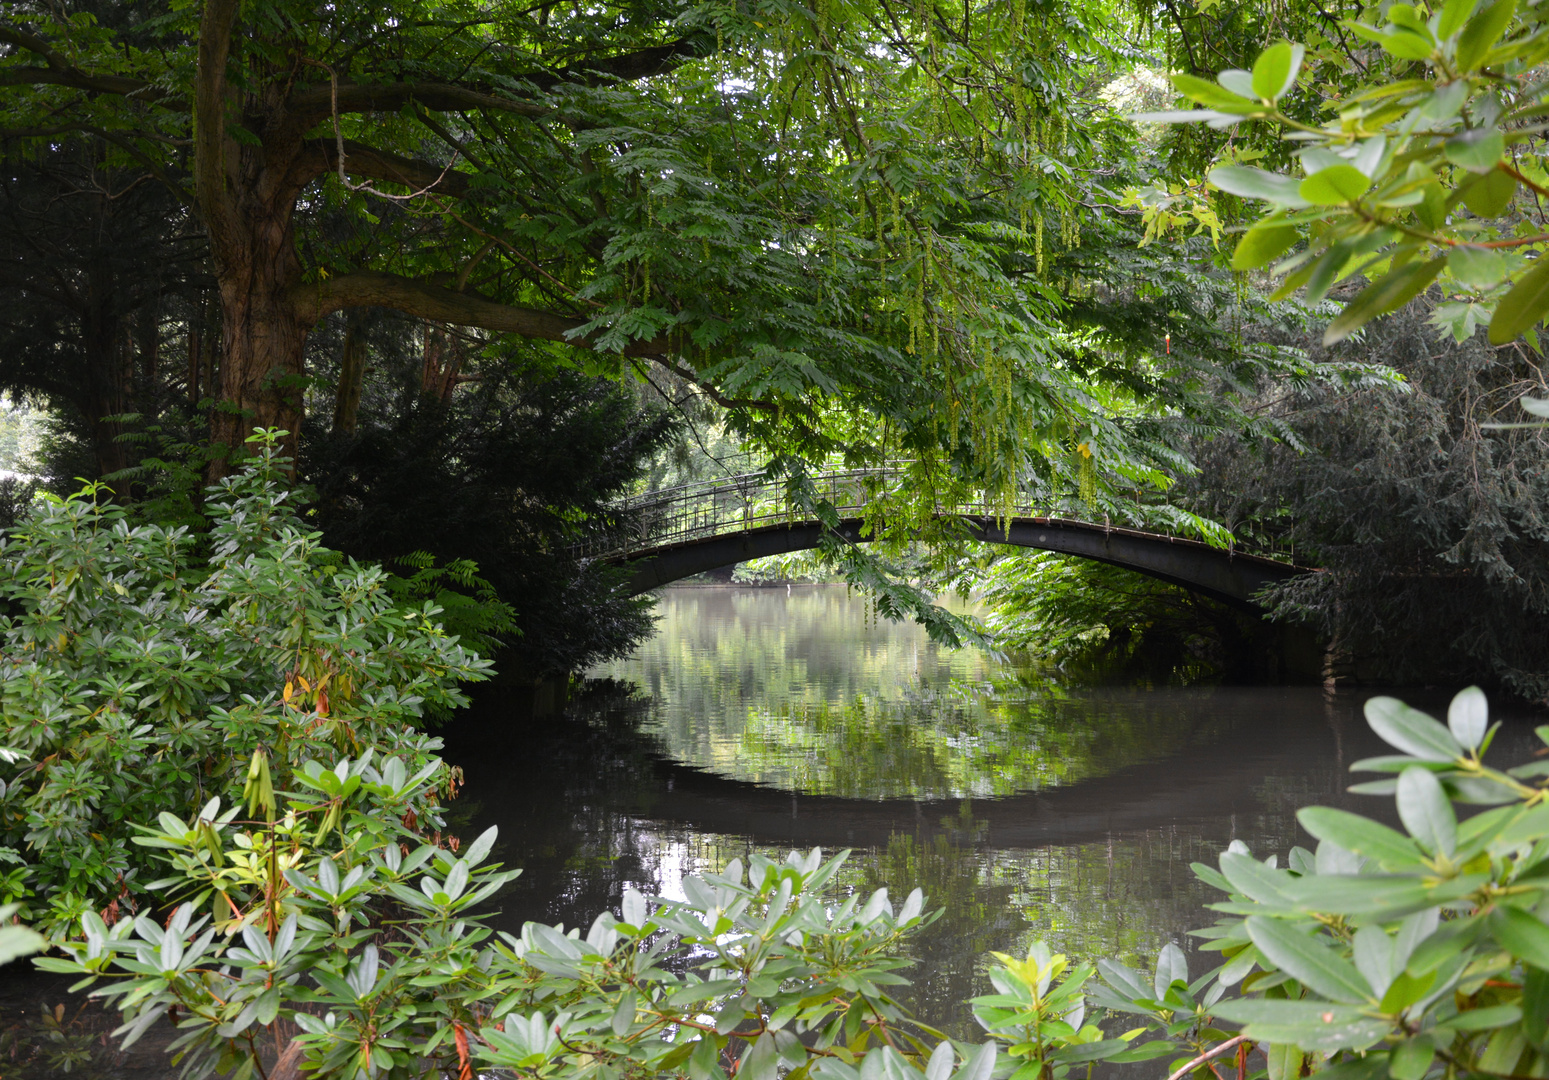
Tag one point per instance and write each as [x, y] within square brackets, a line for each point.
[761, 719]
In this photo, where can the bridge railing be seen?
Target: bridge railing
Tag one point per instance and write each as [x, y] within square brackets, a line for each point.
[740, 503]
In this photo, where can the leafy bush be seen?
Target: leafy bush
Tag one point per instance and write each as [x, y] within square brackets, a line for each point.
[138, 676]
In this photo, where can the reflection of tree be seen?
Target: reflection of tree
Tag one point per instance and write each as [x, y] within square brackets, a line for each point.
[805, 692]
[977, 745]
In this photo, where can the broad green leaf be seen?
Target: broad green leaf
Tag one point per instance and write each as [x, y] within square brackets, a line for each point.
[1482, 32]
[1308, 960]
[1390, 849]
[1372, 950]
[1253, 879]
[1425, 811]
[1362, 895]
[1488, 196]
[1405, 990]
[1491, 1016]
[1274, 72]
[1522, 307]
[1479, 150]
[1523, 934]
[18, 941]
[1285, 1061]
[1251, 183]
[1411, 1059]
[1406, 44]
[1450, 940]
[1468, 715]
[1212, 95]
[1411, 731]
[1453, 14]
[1480, 268]
[1311, 1025]
[1261, 244]
[1238, 81]
[1388, 293]
[1171, 966]
[1334, 186]
[1325, 271]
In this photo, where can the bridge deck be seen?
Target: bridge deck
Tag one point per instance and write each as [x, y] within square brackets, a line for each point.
[699, 527]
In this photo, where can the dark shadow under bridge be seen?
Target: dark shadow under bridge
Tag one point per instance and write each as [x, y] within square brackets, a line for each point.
[690, 529]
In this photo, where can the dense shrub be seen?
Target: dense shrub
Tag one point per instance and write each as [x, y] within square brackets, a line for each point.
[508, 473]
[141, 666]
[1431, 530]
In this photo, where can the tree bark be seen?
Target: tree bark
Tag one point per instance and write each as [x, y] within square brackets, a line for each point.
[352, 376]
[263, 340]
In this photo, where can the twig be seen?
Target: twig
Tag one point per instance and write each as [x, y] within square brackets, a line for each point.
[338, 134]
[1214, 1051]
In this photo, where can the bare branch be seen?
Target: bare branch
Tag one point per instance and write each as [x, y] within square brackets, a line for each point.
[322, 155]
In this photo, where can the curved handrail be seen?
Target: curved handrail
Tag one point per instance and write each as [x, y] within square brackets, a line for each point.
[704, 509]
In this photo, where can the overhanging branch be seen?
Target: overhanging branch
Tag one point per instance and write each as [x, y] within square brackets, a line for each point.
[311, 105]
[370, 288]
[60, 72]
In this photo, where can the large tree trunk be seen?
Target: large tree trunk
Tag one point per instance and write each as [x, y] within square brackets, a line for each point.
[246, 196]
[263, 344]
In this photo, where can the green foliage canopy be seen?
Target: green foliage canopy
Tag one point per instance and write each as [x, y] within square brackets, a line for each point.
[861, 228]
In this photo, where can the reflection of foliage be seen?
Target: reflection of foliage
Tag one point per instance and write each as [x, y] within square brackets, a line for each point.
[864, 708]
[51, 1044]
[945, 745]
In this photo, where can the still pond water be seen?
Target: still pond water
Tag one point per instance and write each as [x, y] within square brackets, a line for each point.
[766, 719]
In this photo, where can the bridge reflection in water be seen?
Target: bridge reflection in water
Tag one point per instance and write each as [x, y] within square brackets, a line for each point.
[686, 530]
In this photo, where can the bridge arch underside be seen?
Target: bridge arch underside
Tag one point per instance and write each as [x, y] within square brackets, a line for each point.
[1231, 578]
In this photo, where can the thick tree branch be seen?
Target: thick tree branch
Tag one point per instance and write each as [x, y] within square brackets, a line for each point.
[60, 72]
[640, 64]
[369, 288]
[313, 104]
[210, 164]
[322, 155]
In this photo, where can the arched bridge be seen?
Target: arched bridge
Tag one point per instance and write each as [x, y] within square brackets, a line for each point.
[686, 530]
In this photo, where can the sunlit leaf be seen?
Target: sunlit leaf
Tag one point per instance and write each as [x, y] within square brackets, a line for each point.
[1334, 186]
[1522, 307]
